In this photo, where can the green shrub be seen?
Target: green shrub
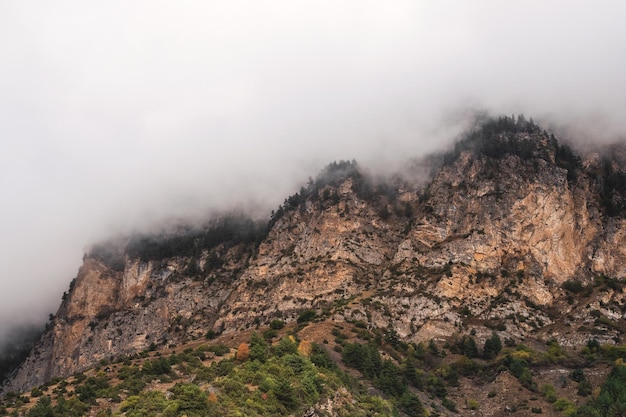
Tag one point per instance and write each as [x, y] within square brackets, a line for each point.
[411, 405]
[520, 369]
[270, 334]
[492, 347]
[472, 404]
[189, 398]
[565, 405]
[469, 348]
[584, 389]
[548, 391]
[277, 324]
[614, 352]
[361, 324]
[156, 367]
[36, 392]
[319, 356]
[555, 352]
[306, 316]
[284, 347]
[93, 388]
[284, 393]
[612, 399]
[219, 349]
[43, 408]
[363, 357]
[605, 321]
[146, 403]
[449, 404]
[577, 375]
[573, 286]
[259, 348]
[593, 345]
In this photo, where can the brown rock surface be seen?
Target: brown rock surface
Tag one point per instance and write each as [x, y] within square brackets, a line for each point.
[486, 243]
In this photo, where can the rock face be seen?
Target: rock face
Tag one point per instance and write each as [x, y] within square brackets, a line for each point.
[490, 242]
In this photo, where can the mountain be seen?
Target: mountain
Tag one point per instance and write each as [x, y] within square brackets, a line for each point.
[512, 237]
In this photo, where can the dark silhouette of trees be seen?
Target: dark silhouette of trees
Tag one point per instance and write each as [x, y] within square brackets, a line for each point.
[498, 138]
[493, 346]
[613, 190]
[332, 174]
[567, 159]
[192, 241]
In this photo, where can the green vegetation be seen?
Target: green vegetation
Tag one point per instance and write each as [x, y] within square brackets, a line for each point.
[612, 399]
[493, 346]
[519, 367]
[549, 392]
[277, 324]
[516, 136]
[497, 138]
[306, 316]
[333, 174]
[613, 190]
[575, 287]
[363, 186]
[287, 377]
[271, 380]
[606, 283]
[389, 378]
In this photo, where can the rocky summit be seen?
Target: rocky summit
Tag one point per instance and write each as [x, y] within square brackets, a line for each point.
[511, 239]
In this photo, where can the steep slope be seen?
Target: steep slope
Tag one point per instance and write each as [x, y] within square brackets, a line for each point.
[119, 306]
[513, 232]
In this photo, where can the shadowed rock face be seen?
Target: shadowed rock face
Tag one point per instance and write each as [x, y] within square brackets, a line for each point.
[488, 241]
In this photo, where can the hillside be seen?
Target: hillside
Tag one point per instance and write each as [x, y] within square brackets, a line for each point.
[502, 273]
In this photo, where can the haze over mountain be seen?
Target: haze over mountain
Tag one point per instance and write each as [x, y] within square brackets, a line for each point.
[118, 115]
[495, 284]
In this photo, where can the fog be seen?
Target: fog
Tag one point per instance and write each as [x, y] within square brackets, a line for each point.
[117, 114]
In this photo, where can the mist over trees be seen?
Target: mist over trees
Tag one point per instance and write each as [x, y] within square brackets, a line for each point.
[498, 138]
[366, 186]
[15, 346]
[185, 240]
[492, 137]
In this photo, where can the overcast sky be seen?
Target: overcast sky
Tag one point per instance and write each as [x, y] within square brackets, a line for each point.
[114, 113]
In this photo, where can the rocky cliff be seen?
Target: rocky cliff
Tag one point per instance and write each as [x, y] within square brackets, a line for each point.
[512, 232]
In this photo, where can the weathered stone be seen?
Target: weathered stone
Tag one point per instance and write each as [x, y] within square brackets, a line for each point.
[488, 241]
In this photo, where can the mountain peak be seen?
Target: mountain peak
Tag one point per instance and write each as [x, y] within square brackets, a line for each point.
[510, 234]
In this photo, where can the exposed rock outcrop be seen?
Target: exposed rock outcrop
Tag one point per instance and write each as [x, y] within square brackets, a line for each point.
[487, 243]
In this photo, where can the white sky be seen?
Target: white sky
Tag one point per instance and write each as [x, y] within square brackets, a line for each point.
[115, 113]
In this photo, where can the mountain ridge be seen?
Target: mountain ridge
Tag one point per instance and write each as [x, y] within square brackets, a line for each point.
[513, 233]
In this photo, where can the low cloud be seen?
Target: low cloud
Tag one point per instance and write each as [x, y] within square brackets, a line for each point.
[118, 114]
